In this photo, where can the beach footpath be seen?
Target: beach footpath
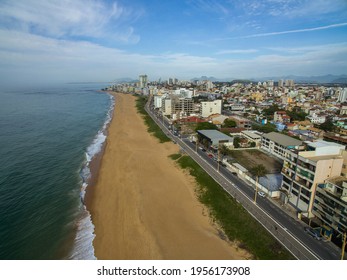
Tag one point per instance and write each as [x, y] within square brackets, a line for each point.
[145, 207]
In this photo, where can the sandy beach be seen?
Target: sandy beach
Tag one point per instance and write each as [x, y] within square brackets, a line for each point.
[142, 205]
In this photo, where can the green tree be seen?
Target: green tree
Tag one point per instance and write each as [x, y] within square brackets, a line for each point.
[205, 125]
[236, 142]
[223, 150]
[258, 171]
[327, 126]
[266, 128]
[229, 123]
[271, 110]
[297, 115]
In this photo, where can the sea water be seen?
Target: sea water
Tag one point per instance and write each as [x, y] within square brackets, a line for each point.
[48, 136]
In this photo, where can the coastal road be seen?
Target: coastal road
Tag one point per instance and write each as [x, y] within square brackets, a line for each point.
[286, 229]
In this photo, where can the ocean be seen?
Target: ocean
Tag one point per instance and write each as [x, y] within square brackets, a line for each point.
[48, 137]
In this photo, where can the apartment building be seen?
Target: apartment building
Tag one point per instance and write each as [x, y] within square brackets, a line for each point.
[303, 170]
[210, 107]
[281, 116]
[330, 203]
[143, 81]
[278, 144]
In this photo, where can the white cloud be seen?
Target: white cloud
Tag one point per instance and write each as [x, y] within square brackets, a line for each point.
[296, 31]
[243, 51]
[26, 57]
[66, 18]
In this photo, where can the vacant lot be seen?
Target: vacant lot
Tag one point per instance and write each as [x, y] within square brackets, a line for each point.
[251, 158]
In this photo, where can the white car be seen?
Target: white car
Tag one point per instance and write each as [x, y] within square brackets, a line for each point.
[261, 194]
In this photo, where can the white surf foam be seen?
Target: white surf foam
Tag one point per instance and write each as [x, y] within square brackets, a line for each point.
[83, 245]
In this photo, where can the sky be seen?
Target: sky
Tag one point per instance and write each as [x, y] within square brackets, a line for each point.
[104, 40]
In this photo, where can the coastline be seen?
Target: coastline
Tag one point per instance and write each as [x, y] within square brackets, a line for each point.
[142, 205]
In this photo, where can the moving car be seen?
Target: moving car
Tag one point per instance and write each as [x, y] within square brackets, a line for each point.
[313, 233]
[261, 194]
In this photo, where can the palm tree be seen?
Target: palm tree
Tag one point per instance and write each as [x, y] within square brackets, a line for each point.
[223, 150]
[258, 171]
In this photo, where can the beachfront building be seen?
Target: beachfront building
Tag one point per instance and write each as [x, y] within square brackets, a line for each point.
[303, 170]
[330, 204]
[177, 107]
[210, 107]
[214, 138]
[278, 144]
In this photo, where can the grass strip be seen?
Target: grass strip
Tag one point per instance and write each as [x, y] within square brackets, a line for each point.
[235, 221]
[152, 127]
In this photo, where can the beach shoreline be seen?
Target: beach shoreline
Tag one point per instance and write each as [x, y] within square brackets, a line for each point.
[142, 205]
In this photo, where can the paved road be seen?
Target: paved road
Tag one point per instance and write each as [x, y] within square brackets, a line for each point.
[287, 230]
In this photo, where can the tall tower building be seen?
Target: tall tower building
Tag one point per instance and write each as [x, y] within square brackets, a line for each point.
[343, 95]
[143, 81]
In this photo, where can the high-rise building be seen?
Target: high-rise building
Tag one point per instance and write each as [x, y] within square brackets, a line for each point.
[289, 83]
[143, 81]
[342, 95]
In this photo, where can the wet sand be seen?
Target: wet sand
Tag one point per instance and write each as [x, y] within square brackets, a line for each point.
[143, 206]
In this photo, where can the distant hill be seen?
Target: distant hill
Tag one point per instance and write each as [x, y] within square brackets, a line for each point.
[310, 79]
[124, 80]
[205, 78]
[323, 79]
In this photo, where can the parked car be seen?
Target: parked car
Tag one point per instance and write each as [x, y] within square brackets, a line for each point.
[312, 233]
[261, 194]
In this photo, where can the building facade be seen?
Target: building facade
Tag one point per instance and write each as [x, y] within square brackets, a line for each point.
[210, 107]
[279, 144]
[303, 170]
[330, 204]
[143, 81]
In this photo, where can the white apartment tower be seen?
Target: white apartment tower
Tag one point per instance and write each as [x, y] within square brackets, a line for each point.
[343, 95]
[143, 81]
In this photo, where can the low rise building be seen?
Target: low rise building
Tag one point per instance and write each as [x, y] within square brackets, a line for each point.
[241, 122]
[214, 137]
[278, 144]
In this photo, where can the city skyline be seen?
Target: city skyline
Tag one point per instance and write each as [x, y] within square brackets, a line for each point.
[104, 40]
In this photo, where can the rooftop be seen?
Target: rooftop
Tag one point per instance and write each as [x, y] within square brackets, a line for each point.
[322, 143]
[282, 139]
[215, 134]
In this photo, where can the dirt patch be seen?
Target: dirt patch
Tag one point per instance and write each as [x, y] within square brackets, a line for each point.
[251, 158]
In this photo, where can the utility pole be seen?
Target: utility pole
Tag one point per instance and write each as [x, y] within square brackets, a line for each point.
[218, 157]
[256, 192]
[343, 246]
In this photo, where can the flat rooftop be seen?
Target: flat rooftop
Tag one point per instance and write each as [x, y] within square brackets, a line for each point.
[282, 139]
[322, 143]
[214, 134]
[317, 158]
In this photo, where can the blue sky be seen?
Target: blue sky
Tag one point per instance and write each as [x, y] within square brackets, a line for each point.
[94, 40]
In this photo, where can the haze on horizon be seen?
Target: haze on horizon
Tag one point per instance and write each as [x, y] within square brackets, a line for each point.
[102, 40]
